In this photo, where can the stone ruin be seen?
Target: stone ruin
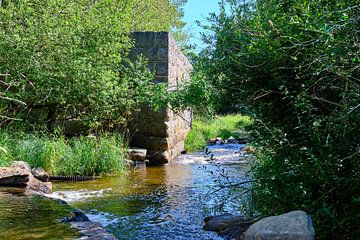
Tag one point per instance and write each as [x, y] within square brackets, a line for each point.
[161, 132]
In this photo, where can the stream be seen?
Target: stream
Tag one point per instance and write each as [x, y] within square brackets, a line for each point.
[164, 202]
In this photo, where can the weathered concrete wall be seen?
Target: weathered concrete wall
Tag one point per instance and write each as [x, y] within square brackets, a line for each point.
[162, 132]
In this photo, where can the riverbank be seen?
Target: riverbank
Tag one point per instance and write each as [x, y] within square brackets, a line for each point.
[221, 126]
[162, 202]
[58, 155]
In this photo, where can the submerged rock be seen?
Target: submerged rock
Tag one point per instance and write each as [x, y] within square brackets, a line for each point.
[89, 230]
[92, 231]
[296, 225]
[227, 225]
[76, 216]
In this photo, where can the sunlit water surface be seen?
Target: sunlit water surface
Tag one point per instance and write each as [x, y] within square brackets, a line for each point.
[165, 202]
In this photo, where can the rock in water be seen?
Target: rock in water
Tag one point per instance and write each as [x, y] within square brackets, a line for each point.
[92, 231]
[137, 154]
[36, 187]
[227, 225]
[40, 174]
[76, 216]
[18, 178]
[296, 225]
[89, 230]
[232, 140]
[21, 165]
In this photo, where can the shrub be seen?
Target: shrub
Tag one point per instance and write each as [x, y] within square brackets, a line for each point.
[294, 65]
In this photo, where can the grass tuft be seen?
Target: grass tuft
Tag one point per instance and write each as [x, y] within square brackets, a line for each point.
[61, 156]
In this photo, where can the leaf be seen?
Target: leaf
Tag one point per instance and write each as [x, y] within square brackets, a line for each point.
[3, 150]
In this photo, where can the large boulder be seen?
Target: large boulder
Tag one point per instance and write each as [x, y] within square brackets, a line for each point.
[18, 178]
[17, 175]
[296, 225]
[21, 165]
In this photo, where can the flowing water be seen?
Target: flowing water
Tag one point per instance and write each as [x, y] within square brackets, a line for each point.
[165, 202]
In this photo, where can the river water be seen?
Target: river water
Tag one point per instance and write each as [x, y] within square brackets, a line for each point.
[165, 202]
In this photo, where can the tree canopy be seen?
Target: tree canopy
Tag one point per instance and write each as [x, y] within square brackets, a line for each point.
[73, 56]
[294, 65]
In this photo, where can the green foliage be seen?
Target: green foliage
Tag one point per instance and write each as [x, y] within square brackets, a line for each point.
[223, 127]
[60, 156]
[156, 15]
[71, 58]
[295, 66]
[198, 93]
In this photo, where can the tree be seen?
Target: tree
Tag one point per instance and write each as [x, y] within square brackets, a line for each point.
[294, 65]
[71, 58]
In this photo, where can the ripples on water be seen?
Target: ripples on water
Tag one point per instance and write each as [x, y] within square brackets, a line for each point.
[35, 217]
[166, 202]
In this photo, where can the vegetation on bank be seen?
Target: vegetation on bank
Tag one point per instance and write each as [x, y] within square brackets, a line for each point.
[220, 126]
[72, 59]
[58, 155]
[294, 65]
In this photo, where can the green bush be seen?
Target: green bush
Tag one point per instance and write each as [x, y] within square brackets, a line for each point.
[223, 127]
[295, 66]
[71, 59]
[61, 156]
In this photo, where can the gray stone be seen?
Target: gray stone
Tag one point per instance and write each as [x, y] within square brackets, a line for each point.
[232, 140]
[243, 140]
[219, 141]
[92, 231]
[37, 187]
[296, 225]
[227, 225]
[76, 216]
[161, 132]
[160, 68]
[40, 174]
[221, 222]
[137, 154]
[17, 175]
[21, 165]
[18, 178]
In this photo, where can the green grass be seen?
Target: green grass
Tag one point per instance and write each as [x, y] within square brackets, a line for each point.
[61, 156]
[221, 126]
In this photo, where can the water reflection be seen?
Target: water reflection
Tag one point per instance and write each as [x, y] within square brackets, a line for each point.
[167, 202]
[35, 217]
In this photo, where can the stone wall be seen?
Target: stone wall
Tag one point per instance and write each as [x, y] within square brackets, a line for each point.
[161, 132]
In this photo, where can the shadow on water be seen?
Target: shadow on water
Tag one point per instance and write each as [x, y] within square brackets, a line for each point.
[166, 202]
